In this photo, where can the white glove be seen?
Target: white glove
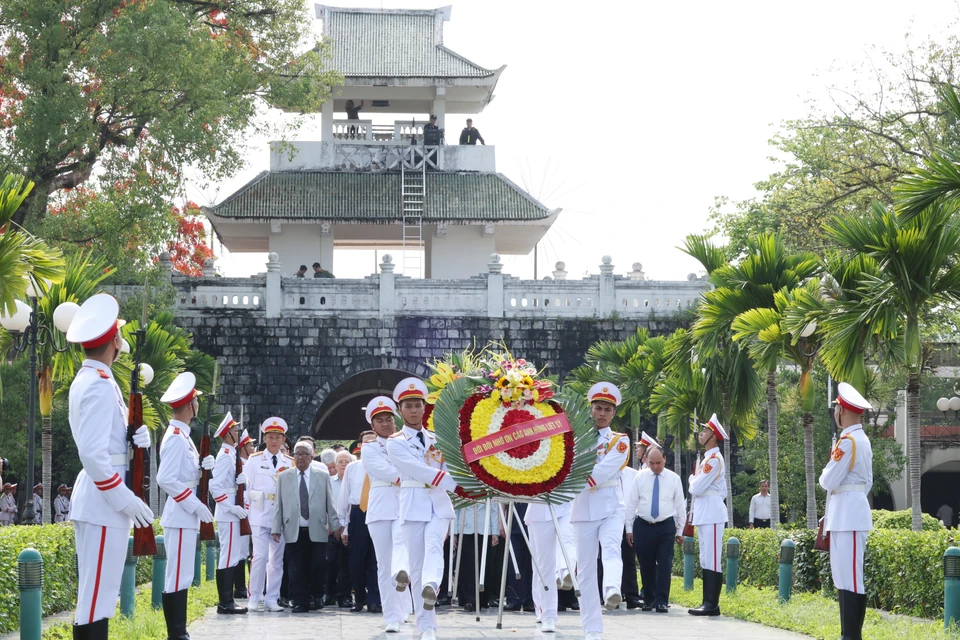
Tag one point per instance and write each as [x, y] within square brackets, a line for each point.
[208, 463]
[242, 479]
[141, 437]
[239, 511]
[204, 513]
[140, 513]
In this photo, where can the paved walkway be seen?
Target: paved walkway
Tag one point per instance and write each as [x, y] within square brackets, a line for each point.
[334, 624]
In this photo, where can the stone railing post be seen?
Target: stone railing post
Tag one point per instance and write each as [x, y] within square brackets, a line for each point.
[166, 266]
[388, 296]
[494, 287]
[273, 295]
[209, 269]
[560, 272]
[607, 296]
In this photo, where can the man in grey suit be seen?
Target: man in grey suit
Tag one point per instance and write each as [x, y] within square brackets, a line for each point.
[305, 514]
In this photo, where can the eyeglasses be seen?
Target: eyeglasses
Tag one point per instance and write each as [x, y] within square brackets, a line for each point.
[305, 454]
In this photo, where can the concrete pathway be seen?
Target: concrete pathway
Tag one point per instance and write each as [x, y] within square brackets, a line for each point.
[455, 624]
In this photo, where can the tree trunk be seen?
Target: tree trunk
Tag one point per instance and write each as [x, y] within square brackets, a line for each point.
[677, 453]
[35, 206]
[913, 445]
[774, 448]
[726, 459]
[45, 387]
[809, 469]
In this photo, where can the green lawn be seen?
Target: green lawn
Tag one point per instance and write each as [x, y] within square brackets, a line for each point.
[808, 613]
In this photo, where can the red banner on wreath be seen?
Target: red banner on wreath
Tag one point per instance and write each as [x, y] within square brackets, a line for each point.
[515, 436]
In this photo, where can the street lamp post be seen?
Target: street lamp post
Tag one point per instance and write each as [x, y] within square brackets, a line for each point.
[26, 323]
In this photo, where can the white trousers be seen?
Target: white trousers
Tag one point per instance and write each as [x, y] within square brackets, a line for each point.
[181, 547]
[388, 543]
[266, 568]
[711, 544]
[606, 533]
[231, 550]
[570, 542]
[101, 552]
[543, 543]
[425, 549]
[846, 559]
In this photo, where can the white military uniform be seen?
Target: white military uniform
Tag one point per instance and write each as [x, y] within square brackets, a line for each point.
[8, 509]
[548, 556]
[178, 476]
[708, 487]
[425, 508]
[37, 509]
[266, 568]
[382, 492]
[61, 509]
[847, 478]
[223, 488]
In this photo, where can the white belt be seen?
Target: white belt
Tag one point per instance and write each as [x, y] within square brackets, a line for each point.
[230, 492]
[844, 488]
[413, 484]
[608, 483]
[376, 484]
[119, 459]
[708, 492]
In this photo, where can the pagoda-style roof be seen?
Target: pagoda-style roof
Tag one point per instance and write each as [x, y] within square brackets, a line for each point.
[374, 198]
[393, 43]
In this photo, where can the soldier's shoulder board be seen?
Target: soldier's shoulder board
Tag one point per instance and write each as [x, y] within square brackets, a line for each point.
[254, 455]
[103, 374]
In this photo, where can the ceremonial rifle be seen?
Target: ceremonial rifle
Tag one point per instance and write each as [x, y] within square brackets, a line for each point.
[138, 474]
[244, 522]
[203, 491]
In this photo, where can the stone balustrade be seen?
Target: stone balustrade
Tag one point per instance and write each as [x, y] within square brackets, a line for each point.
[492, 294]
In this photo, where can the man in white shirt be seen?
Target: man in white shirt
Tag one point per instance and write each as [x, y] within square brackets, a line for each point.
[760, 507]
[945, 515]
[363, 557]
[337, 590]
[655, 515]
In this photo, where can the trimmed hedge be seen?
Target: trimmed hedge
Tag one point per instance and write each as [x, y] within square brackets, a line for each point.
[55, 542]
[883, 519]
[903, 569]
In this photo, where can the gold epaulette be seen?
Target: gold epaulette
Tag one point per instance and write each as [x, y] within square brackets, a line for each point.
[254, 455]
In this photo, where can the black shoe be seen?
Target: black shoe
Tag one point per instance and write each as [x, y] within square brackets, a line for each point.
[662, 608]
[574, 607]
[374, 608]
[226, 605]
[98, 630]
[300, 609]
[645, 606]
[529, 608]
[345, 603]
[357, 607]
[635, 604]
[469, 606]
[443, 601]
[329, 601]
[512, 606]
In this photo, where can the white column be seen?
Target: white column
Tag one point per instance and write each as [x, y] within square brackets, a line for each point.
[494, 287]
[440, 107]
[387, 286]
[607, 296]
[272, 296]
[326, 121]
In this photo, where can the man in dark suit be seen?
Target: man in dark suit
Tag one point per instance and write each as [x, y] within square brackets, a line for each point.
[305, 514]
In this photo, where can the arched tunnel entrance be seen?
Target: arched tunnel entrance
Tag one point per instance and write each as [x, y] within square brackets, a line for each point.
[341, 414]
[939, 486]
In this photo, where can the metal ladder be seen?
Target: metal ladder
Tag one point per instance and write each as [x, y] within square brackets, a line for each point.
[413, 185]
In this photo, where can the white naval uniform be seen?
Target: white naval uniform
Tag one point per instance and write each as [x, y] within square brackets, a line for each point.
[597, 516]
[425, 512]
[223, 488]
[98, 422]
[61, 509]
[383, 522]
[178, 476]
[708, 488]
[547, 554]
[266, 568]
[847, 478]
[8, 509]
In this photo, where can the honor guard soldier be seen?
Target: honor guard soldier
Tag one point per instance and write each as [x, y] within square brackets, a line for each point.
[548, 557]
[61, 504]
[38, 503]
[178, 476]
[261, 471]
[380, 499]
[645, 442]
[598, 512]
[105, 508]
[245, 448]
[8, 504]
[847, 478]
[708, 488]
[228, 513]
[425, 507]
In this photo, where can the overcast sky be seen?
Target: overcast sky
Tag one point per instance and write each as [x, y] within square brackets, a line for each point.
[633, 116]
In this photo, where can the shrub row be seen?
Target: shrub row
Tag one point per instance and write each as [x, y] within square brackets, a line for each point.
[903, 569]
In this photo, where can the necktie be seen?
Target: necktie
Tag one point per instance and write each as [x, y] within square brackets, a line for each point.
[655, 501]
[274, 462]
[365, 493]
[304, 498]
[422, 441]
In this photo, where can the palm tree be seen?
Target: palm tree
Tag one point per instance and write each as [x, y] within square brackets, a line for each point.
[749, 284]
[82, 278]
[918, 269]
[763, 329]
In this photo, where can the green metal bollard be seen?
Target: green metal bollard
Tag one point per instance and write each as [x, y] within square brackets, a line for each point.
[30, 582]
[951, 587]
[159, 574]
[128, 582]
[197, 565]
[213, 546]
[788, 549]
[733, 563]
[689, 549]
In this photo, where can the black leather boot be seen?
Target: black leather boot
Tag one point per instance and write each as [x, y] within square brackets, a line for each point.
[175, 614]
[854, 612]
[711, 595]
[240, 580]
[98, 630]
[225, 592]
[842, 600]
